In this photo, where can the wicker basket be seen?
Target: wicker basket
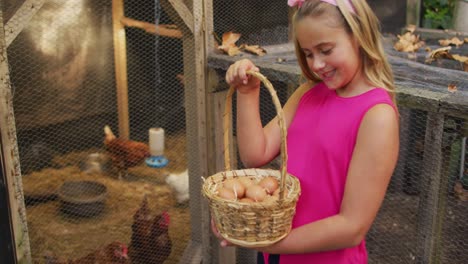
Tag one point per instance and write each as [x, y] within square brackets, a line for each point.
[254, 224]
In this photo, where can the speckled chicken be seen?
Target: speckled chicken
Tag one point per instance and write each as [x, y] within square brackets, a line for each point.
[150, 241]
[113, 253]
[124, 153]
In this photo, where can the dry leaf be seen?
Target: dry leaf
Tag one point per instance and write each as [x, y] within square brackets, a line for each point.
[254, 49]
[233, 51]
[230, 38]
[465, 66]
[454, 41]
[428, 49]
[466, 40]
[229, 43]
[408, 43]
[460, 58]
[452, 88]
[439, 53]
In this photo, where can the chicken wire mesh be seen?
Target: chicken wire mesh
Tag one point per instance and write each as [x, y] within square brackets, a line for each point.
[423, 215]
[90, 194]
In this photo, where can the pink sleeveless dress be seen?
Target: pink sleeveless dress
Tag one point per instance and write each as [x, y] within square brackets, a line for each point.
[321, 140]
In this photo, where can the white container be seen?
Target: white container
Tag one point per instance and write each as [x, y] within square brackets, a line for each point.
[460, 19]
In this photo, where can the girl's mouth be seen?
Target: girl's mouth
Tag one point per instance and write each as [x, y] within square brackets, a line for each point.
[328, 75]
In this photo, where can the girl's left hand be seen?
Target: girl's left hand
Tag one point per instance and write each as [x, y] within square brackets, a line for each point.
[224, 242]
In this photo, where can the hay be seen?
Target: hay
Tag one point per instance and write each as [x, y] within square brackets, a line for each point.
[64, 236]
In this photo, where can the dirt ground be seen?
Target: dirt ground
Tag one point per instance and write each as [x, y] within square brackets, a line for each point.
[53, 232]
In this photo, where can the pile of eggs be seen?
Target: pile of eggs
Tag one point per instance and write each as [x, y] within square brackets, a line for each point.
[247, 190]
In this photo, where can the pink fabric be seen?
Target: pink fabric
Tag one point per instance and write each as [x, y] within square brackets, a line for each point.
[298, 3]
[321, 140]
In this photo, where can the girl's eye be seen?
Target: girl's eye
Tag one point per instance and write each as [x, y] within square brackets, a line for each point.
[326, 52]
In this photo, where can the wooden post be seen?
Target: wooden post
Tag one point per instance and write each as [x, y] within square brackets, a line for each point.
[195, 20]
[216, 102]
[10, 158]
[431, 202]
[413, 12]
[120, 57]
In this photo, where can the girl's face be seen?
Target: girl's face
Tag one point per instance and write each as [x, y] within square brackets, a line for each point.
[331, 52]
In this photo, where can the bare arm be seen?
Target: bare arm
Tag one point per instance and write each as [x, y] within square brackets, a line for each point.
[374, 159]
[258, 145]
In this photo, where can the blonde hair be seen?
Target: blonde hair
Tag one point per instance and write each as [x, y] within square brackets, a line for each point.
[364, 26]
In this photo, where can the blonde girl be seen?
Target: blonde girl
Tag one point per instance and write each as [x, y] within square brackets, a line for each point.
[343, 135]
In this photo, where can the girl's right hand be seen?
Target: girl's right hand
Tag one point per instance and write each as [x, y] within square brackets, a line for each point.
[236, 76]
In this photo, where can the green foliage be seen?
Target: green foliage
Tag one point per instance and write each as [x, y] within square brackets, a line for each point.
[438, 13]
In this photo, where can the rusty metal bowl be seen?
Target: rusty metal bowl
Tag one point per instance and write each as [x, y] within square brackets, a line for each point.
[82, 198]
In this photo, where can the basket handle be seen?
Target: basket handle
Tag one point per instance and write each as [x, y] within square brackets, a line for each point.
[227, 121]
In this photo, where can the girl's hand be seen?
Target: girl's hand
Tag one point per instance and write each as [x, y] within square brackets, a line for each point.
[223, 243]
[236, 76]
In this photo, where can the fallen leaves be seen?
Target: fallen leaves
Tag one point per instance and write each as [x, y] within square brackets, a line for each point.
[453, 41]
[254, 49]
[408, 42]
[229, 47]
[452, 88]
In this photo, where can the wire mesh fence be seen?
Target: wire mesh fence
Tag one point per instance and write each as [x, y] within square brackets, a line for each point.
[92, 192]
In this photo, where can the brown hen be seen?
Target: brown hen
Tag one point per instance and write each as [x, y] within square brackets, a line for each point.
[150, 242]
[113, 253]
[124, 153]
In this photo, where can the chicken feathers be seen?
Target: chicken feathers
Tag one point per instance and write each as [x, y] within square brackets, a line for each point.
[124, 153]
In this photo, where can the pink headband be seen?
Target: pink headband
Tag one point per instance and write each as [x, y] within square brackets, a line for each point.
[299, 3]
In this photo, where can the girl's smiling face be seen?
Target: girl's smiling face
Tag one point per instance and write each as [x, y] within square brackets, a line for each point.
[330, 51]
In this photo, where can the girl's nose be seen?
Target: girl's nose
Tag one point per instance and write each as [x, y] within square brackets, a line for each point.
[318, 64]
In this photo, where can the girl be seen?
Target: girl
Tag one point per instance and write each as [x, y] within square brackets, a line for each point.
[343, 135]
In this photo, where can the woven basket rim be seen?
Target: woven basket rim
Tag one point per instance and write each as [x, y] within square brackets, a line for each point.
[210, 194]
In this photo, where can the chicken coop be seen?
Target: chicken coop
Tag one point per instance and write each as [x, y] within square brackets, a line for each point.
[111, 115]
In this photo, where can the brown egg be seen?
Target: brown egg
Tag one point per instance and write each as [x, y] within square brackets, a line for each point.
[246, 200]
[246, 181]
[270, 184]
[256, 193]
[226, 193]
[236, 186]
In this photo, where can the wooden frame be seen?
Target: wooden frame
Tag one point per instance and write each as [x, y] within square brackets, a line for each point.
[413, 12]
[9, 147]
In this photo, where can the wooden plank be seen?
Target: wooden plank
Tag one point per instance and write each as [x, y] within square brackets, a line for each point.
[430, 203]
[120, 57]
[10, 153]
[208, 25]
[185, 14]
[192, 254]
[413, 12]
[169, 31]
[217, 104]
[21, 19]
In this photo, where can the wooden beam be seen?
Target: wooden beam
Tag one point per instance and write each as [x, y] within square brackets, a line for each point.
[413, 12]
[431, 201]
[120, 57]
[216, 102]
[170, 31]
[21, 19]
[184, 13]
[10, 154]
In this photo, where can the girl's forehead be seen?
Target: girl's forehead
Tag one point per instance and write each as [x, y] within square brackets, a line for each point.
[314, 30]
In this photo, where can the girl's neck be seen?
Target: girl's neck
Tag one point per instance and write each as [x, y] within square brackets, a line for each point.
[357, 86]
